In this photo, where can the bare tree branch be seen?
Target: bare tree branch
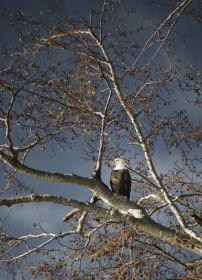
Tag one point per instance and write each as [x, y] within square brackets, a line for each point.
[146, 224]
[175, 13]
[97, 171]
[143, 143]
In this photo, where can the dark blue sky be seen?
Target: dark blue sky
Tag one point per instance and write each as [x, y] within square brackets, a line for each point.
[189, 50]
[20, 218]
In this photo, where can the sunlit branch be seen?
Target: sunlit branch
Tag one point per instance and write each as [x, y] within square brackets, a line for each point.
[175, 13]
[7, 123]
[101, 20]
[71, 214]
[149, 226]
[81, 223]
[175, 199]
[97, 171]
[162, 41]
[52, 236]
[8, 116]
[144, 144]
[97, 187]
[137, 93]
[150, 196]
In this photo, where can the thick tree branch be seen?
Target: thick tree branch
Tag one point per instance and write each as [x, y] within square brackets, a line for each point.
[146, 224]
[143, 142]
[96, 186]
[97, 171]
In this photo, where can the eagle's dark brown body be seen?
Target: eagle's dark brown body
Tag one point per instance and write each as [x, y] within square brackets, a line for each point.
[120, 182]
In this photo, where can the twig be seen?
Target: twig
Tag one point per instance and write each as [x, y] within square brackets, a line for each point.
[97, 171]
[70, 215]
[180, 8]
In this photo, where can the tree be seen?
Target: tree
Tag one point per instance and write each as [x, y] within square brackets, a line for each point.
[116, 90]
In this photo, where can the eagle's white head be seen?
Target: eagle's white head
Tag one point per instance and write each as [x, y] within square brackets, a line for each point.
[119, 163]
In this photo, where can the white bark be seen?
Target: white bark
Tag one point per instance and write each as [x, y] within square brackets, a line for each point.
[129, 208]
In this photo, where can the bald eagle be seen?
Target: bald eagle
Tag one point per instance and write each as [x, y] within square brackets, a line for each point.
[120, 179]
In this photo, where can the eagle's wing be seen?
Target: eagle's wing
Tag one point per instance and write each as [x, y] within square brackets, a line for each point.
[120, 182]
[127, 184]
